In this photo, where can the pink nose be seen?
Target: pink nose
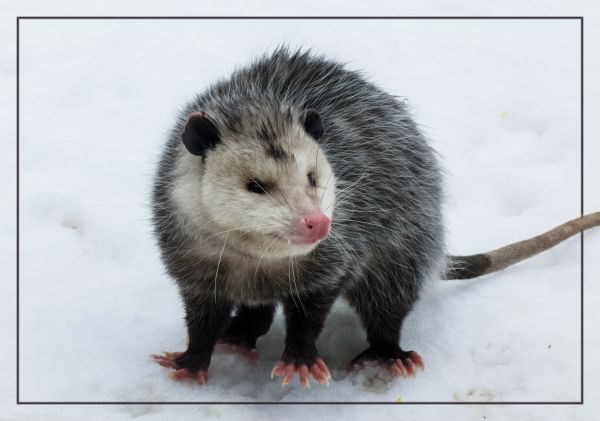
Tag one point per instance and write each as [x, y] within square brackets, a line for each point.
[314, 227]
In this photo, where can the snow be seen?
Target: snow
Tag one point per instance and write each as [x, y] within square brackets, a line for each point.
[500, 101]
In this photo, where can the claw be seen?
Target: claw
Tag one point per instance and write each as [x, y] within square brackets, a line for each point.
[410, 367]
[401, 367]
[167, 359]
[278, 370]
[289, 374]
[394, 369]
[416, 358]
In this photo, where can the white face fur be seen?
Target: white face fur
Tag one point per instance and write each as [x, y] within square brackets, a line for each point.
[219, 201]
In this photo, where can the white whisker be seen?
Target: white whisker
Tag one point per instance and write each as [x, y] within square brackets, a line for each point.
[218, 265]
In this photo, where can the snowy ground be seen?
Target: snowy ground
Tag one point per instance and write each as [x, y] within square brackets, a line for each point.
[499, 99]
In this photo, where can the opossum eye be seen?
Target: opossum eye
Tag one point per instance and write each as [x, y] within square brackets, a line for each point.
[311, 179]
[256, 186]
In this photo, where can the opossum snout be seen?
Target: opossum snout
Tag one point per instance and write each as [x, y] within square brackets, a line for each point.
[313, 227]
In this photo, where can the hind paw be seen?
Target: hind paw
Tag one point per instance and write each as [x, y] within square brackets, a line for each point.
[403, 363]
[251, 354]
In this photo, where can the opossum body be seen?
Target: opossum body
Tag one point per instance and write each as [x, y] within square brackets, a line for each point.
[296, 181]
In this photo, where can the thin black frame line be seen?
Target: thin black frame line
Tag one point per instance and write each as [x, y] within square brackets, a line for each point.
[580, 18]
[309, 17]
[18, 219]
[296, 403]
[581, 110]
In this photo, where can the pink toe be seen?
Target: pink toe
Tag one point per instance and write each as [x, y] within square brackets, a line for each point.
[416, 358]
[181, 373]
[394, 369]
[323, 367]
[410, 367]
[202, 377]
[168, 359]
[319, 376]
[279, 369]
[403, 370]
[303, 373]
[166, 363]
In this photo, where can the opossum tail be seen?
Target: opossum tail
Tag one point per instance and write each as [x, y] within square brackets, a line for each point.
[466, 267]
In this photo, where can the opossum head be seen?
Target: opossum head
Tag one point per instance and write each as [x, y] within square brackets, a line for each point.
[259, 180]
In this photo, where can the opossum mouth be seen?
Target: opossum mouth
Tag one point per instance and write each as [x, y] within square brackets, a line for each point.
[289, 238]
[274, 245]
[298, 241]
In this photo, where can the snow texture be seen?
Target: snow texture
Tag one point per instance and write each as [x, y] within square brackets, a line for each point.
[500, 101]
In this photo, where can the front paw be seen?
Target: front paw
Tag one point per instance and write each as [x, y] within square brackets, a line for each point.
[287, 367]
[185, 365]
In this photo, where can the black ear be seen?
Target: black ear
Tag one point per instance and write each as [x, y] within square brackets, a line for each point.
[200, 134]
[313, 124]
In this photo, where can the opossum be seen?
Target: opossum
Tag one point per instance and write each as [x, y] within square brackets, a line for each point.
[297, 181]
